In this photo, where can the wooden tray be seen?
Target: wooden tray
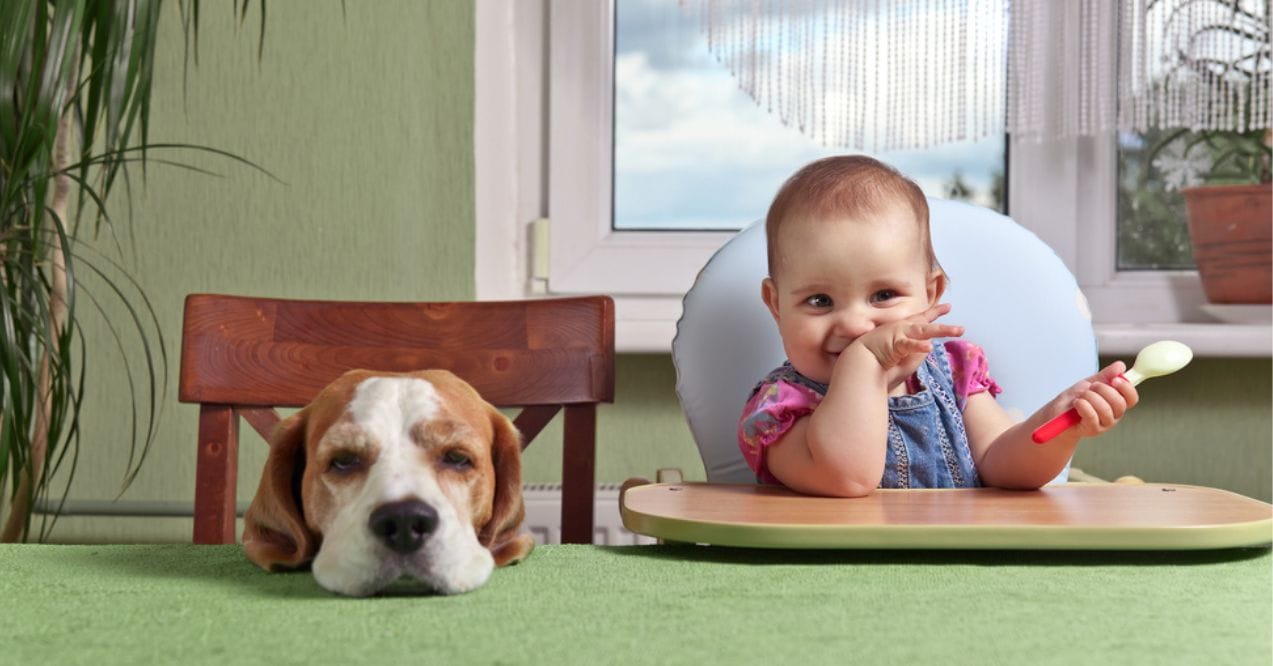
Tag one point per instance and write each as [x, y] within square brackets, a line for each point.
[1072, 516]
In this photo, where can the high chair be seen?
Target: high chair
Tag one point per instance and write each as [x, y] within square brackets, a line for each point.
[1018, 301]
[241, 357]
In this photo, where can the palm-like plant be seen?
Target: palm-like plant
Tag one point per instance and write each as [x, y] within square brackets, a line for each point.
[75, 84]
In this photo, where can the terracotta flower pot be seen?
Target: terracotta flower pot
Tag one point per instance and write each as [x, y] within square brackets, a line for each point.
[1231, 228]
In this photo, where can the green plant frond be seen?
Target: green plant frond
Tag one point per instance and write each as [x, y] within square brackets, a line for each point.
[145, 323]
[107, 156]
[48, 522]
[101, 37]
[114, 70]
[156, 360]
[89, 257]
[74, 399]
[133, 465]
[19, 399]
[93, 60]
[68, 261]
[146, 67]
[7, 444]
[260, 41]
[140, 68]
[15, 22]
[66, 380]
[87, 189]
[51, 67]
[62, 445]
[62, 63]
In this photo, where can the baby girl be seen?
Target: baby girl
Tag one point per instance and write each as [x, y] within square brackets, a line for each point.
[866, 399]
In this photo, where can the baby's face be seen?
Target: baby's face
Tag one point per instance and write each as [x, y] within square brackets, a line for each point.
[835, 280]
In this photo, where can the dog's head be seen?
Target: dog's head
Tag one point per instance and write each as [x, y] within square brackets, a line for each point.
[385, 476]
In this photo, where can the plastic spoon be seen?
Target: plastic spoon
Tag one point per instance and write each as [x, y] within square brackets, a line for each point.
[1155, 360]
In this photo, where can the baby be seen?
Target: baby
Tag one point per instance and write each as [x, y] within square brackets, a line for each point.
[866, 399]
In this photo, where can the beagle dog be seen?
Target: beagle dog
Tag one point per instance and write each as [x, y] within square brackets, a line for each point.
[387, 476]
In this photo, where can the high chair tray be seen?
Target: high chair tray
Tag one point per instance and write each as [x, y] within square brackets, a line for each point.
[1072, 516]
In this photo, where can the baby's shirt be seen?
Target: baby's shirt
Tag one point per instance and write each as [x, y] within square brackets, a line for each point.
[785, 396]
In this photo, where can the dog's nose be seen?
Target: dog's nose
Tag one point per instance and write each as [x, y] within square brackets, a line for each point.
[403, 526]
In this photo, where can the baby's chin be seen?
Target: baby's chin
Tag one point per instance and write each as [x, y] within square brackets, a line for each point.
[820, 374]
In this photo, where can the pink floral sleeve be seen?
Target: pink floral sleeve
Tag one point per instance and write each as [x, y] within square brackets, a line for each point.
[970, 370]
[768, 415]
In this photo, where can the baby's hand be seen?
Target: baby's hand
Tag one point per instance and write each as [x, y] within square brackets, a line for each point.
[1101, 400]
[901, 346]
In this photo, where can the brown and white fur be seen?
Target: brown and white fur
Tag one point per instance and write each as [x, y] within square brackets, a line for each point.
[385, 476]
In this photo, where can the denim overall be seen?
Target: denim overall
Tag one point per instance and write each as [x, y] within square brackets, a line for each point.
[927, 444]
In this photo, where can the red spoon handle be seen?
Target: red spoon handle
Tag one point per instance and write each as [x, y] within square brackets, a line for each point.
[1058, 424]
[1055, 427]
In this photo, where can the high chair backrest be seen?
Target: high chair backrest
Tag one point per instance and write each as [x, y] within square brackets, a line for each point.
[1010, 291]
[244, 356]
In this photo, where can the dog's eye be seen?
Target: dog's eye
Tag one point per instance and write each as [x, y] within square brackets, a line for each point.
[345, 463]
[456, 458]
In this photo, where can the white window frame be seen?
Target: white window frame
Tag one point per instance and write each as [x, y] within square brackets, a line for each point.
[532, 164]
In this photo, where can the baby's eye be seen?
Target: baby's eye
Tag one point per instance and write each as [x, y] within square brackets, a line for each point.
[819, 301]
[883, 295]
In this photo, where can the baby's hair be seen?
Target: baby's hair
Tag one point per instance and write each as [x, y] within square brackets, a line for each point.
[845, 185]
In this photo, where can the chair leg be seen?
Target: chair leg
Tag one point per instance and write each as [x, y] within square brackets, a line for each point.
[578, 473]
[216, 475]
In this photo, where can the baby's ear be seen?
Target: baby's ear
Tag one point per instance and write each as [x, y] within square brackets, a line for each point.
[936, 286]
[769, 294]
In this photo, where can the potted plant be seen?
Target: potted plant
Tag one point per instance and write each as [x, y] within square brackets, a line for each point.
[74, 105]
[1231, 218]
[1224, 174]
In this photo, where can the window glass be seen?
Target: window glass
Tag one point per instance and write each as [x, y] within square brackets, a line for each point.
[1152, 232]
[1210, 41]
[693, 152]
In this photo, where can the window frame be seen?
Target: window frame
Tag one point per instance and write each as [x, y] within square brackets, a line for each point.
[532, 56]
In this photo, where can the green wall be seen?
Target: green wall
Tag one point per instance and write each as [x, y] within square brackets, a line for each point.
[1209, 424]
[368, 120]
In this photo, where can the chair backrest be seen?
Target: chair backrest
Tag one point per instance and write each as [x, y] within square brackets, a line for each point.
[244, 356]
[1010, 291]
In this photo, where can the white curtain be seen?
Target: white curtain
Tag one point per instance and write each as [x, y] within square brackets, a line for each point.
[893, 74]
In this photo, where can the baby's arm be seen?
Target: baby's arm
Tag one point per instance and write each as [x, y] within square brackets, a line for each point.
[1005, 455]
[839, 449]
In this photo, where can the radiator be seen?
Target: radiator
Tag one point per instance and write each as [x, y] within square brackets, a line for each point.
[543, 516]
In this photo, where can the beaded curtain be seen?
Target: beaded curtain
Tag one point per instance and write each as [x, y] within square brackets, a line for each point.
[884, 75]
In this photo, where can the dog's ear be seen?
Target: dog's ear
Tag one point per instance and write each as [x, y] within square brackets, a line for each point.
[274, 534]
[500, 533]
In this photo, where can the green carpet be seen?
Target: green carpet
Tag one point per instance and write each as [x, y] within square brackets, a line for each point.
[655, 605]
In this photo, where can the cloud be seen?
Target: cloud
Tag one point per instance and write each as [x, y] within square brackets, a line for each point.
[692, 148]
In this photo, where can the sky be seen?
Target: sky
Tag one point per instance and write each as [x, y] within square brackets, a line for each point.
[693, 151]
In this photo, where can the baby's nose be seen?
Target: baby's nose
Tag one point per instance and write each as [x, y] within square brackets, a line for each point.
[852, 324]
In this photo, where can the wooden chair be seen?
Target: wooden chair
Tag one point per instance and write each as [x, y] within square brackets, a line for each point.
[244, 356]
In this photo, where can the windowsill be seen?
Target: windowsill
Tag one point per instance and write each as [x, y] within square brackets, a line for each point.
[648, 325]
[1206, 340]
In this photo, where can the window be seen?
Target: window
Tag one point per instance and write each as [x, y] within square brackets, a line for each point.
[694, 152]
[532, 164]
